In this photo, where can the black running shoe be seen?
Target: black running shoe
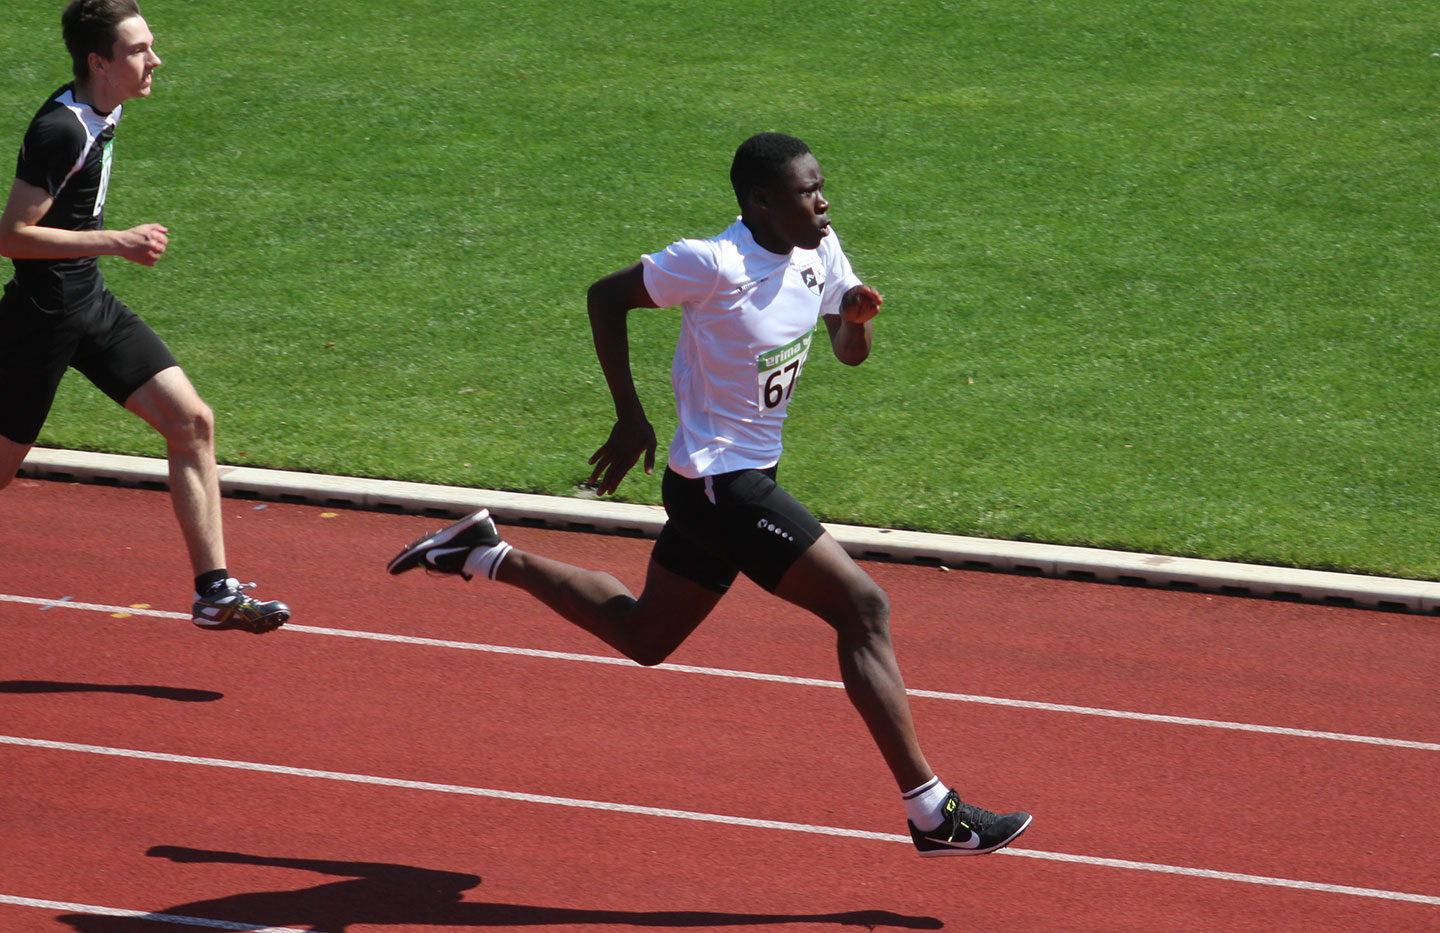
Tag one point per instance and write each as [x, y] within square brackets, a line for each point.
[969, 830]
[225, 607]
[445, 550]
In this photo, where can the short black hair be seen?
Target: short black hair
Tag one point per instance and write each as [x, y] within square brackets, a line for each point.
[761, 161]
[92, 26]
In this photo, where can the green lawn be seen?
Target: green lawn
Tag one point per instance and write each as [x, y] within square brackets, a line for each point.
[1159, 276]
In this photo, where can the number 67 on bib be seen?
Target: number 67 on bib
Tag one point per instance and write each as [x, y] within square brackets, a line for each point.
[779, 369]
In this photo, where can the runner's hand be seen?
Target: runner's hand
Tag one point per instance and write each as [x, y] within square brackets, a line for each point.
[618, 454]
[860, 304]
[144, 244]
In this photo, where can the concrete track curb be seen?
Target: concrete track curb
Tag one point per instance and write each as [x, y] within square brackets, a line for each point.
[951, 551]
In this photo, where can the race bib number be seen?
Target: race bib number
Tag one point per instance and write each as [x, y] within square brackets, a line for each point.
[779, 371]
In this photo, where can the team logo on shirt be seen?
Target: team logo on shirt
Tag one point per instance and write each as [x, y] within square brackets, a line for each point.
[814, 278]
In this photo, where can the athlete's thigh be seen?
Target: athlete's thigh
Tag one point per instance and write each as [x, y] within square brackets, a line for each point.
[36, 347]
[673, 596]
[689, 545]
[167, 400]
[740, 521]
[670, 607]
[119, 352]
[827, 581]
[764, 528]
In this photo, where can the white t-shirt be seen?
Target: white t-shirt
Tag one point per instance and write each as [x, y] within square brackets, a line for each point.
[748, 316]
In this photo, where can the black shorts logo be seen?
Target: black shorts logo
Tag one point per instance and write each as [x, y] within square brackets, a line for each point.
[775, 529]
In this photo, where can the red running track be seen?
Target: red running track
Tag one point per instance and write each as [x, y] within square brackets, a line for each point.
[307, 780]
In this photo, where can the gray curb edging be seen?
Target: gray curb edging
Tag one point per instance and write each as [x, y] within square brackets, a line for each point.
[952, 551]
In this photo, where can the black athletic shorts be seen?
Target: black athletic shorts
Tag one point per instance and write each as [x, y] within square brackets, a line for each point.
[741, 522]
[107, 343]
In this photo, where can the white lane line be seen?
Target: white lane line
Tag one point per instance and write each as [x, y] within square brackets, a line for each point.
[778, 678]
[703, 817]
[92, 909]
[65, 602]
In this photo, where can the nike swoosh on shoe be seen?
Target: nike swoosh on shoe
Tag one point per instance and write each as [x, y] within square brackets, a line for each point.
[431, 555]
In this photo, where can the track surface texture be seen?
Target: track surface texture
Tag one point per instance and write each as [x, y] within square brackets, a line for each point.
[424, 754]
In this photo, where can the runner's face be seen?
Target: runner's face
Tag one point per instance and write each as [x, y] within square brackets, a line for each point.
[797, 211]
[129, 72]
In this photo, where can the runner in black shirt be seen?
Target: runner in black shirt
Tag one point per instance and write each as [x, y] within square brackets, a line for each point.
[57, 313]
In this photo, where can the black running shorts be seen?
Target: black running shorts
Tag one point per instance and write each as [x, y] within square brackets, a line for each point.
[107, 343]
[741, 522]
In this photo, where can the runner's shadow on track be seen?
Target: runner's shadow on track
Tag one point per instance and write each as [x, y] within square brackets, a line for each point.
[381, 894]
[180, 694]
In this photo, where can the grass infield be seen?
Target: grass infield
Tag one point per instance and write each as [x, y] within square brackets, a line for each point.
[1158, 277]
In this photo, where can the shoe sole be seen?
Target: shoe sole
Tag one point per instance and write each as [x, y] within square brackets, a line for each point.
[258, 626]
[410, 557]
[942, 853]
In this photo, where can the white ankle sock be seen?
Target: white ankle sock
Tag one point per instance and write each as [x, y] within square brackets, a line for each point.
[484, 562]
[924, 802]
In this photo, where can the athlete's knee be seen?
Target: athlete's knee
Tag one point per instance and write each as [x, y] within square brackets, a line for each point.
[867, 611]
[874, 606]
[648, 655]
[193, 428]
[651, 649]
[652, 642]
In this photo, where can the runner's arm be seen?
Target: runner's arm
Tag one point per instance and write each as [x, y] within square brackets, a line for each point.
[851, 333]
[22, 237]
[609, 301]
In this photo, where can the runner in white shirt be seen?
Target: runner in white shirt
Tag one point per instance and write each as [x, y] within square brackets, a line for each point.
[747, 318]
[750, 300]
